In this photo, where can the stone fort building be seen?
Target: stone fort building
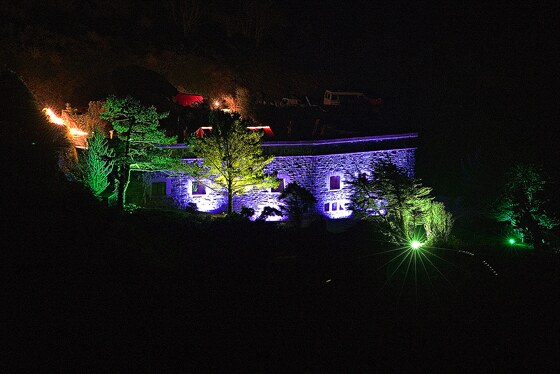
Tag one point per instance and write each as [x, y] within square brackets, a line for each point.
[323, 167]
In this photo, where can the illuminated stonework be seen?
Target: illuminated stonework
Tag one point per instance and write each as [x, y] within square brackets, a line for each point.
[322, 167]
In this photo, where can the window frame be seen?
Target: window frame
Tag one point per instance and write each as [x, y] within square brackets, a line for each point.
[195, 193]
[329, 182]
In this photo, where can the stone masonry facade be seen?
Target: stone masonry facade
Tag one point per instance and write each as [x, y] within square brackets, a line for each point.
[326, 176]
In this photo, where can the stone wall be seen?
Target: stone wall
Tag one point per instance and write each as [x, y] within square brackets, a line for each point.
[314, 172]
[311, 172]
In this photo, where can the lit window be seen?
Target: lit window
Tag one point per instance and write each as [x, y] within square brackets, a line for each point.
[327, 207]
[280, 187]
[198, 189]
[334, 182]
[159, 189]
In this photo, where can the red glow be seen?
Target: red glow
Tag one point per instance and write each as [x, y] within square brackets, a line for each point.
[200, 132]
[267, 130]
[188, 100]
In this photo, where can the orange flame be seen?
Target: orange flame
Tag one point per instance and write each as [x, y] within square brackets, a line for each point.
[74, 131]
[53, 118]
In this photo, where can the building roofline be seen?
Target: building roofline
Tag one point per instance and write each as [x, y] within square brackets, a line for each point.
[376, 138]
[307, 143]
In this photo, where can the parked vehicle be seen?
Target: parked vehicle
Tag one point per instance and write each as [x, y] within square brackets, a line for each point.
[343, 98]
[336, 98]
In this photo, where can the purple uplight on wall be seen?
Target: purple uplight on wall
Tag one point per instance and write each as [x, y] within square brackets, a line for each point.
[325, 173]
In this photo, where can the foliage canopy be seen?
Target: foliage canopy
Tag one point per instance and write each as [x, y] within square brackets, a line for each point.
[232, 157]
[399, 204]
[97, 164]
[522, 204]
[297, 200]
[139, 140]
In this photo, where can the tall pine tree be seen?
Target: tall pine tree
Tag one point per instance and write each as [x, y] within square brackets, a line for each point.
[139, 141]
[98, 163]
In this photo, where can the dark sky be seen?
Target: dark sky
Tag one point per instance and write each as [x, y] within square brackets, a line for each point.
[498, 54]
[465, 69]
[478, 80]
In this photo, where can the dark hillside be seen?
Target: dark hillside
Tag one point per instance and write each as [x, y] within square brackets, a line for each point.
[91, 288]
[28, 140]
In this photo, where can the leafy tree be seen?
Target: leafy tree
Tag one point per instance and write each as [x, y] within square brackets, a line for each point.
[397, 203]
[91, 120]
[522, 204]
[438, 222]
[297, 200]
[233, 161]
[97, 164]
[138, 141]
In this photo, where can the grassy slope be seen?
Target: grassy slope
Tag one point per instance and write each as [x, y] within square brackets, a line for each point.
[146, 291]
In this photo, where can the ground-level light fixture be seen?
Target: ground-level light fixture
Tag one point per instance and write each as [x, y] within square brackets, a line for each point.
[415, 244]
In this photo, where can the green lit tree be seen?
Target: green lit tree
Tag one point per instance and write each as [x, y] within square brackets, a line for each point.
[97, 164]
[139, 141]
[297, 200]
[522, 204]
[438, 222]
[397, 203]
[232, 158]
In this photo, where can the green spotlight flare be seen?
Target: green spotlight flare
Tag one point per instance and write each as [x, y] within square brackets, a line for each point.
[415, 244]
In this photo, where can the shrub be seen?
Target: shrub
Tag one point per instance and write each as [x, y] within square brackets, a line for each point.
[438, 223]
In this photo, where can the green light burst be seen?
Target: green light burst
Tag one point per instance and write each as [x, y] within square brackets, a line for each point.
[415, 244]
[419, 269]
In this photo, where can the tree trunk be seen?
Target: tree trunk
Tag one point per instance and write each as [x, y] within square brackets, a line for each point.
[124, 176]
[123, 182]
[230, 202]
